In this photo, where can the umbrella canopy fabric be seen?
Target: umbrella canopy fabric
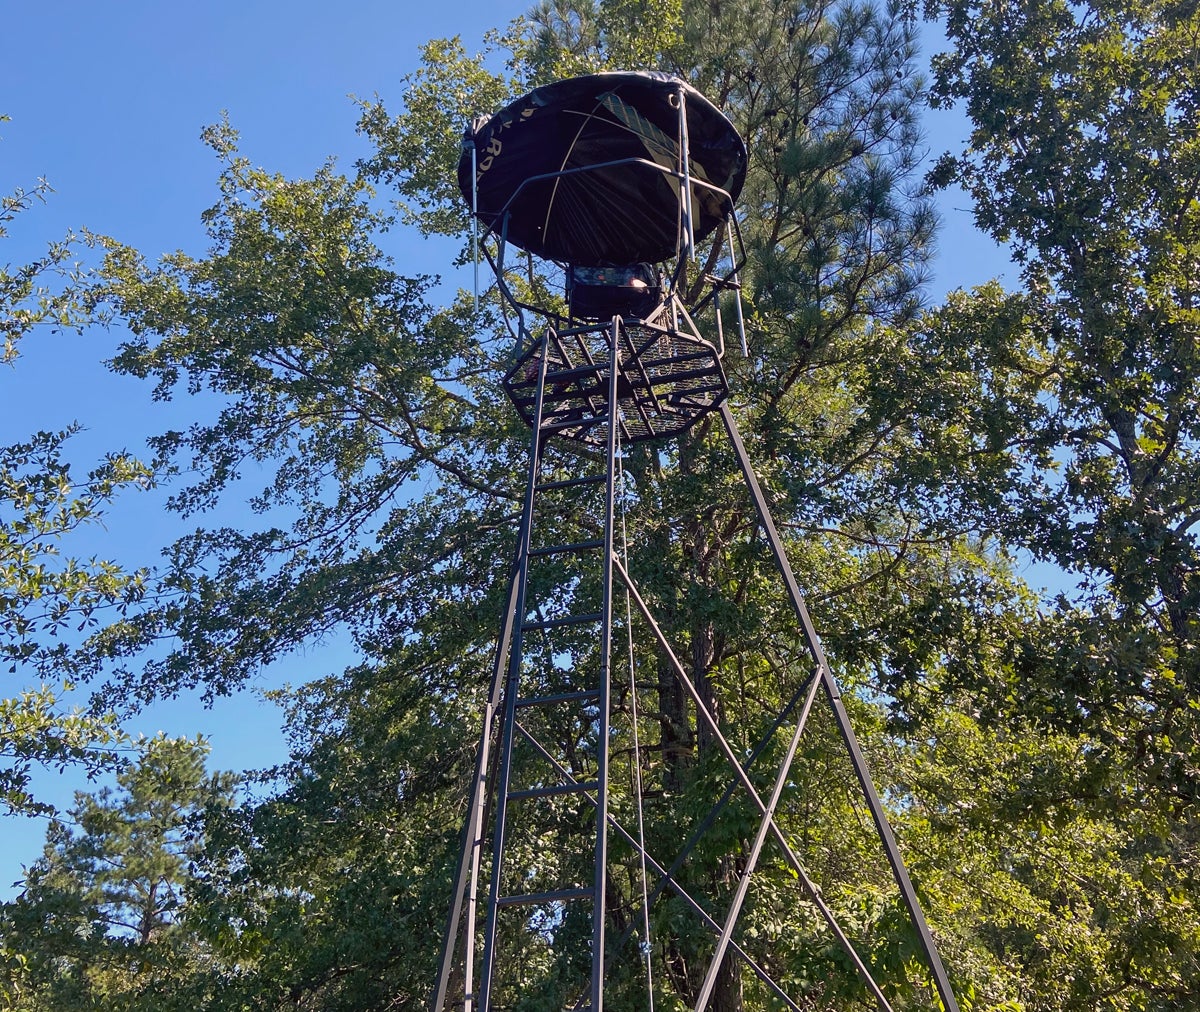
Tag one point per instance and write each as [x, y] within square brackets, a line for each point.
[589, 169]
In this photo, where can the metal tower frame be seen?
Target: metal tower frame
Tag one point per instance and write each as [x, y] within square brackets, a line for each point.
[553, 388]
[599, 384]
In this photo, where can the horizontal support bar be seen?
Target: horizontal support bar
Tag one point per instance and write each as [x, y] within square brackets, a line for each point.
[554, 623]
[683, 376]
[687, 356]
[563, 895]
[591, 479]
[579, 546]
[561, 697]
[550, 792]
[588, 421]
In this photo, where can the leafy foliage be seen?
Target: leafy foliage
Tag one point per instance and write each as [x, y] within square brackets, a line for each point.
[395, 469]
[1041, 753]
[1083, 157]
[44, 597]
[28, 299]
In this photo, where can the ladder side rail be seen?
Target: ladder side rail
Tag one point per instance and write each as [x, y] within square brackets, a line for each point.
[468, 861]
[605, 703]
[511, 690]
[908, 892]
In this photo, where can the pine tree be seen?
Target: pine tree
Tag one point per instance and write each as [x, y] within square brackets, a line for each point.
[97, 921]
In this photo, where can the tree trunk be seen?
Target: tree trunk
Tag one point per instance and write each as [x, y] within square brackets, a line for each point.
[727, 992]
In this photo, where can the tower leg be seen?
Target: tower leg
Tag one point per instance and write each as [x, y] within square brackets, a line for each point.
[473, 830]
[909, 894]
[498, 788]
[468, 861]
[514, 695]
[513, 621]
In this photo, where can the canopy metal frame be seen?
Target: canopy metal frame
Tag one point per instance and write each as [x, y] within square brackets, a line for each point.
[725, 260]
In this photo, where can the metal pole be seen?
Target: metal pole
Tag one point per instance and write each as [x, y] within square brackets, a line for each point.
[737, 287]
[511, 691]
[743, 777]
[601, 873]
[735, 908]
[666, 878]
[685, 158]
[468, 861]
[475, 219]
[909, 894]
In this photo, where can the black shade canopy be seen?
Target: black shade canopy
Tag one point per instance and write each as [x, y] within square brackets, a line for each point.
[589, 212]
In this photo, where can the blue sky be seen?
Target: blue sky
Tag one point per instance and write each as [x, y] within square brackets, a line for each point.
[107, 101]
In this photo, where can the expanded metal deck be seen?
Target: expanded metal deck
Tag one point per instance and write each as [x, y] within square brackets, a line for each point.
[667, 379]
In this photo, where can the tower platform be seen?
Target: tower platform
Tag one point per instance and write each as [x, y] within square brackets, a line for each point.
[668, 378]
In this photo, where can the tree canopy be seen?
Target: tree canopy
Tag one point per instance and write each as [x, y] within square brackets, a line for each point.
[1039, 752]
[97, 923]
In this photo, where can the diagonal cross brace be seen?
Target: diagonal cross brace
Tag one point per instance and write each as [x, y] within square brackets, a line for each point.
[735, 908]
[790, 854]
[899, 872]
[666, 877]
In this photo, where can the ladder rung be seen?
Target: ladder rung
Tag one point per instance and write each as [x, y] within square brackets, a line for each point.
[553, 623]
[550, 897]
[561, 697]
[549, 792]
[579, 546]
[591, 479]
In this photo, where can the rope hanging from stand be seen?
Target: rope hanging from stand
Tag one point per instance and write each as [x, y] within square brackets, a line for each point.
[646, 946]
